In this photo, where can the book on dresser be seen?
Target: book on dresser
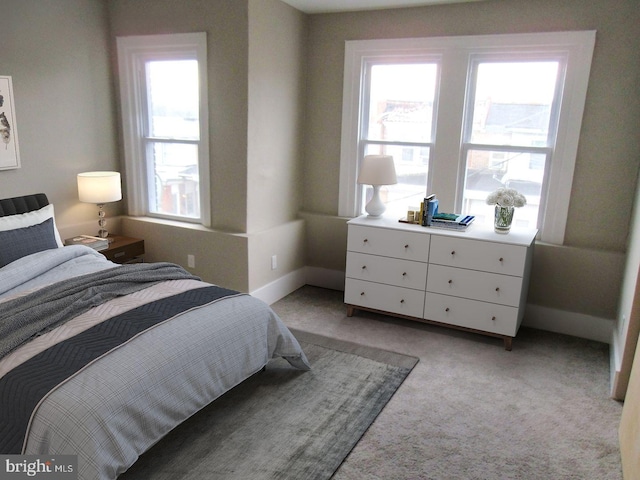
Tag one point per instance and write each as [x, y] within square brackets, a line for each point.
[97, 243]
[452, 221]
[429, 209]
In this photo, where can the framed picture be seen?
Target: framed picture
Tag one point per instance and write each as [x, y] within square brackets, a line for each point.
[9, 152]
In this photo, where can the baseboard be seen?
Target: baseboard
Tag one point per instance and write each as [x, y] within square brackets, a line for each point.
[569, 323]
[543, 318]
[283, 286]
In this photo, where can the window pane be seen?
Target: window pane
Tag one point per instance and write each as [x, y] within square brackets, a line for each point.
[412, 168]
[489, 170]
[173, 99]
[173, 179]
[512, 103]
[401, 102]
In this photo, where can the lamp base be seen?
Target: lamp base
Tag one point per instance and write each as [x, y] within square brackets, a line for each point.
[102, 221]
[375, 207]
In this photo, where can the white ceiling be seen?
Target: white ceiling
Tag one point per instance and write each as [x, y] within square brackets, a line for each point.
[324, 6]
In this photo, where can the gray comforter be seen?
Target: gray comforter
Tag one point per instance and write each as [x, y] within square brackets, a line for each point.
[45, 309]
[119, 405]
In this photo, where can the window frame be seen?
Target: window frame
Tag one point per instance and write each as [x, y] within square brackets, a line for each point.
[364, 139]
[546, 150]
[133, 52]
[457, 53]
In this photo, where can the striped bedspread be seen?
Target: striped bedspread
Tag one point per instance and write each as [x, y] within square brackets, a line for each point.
[150, 360]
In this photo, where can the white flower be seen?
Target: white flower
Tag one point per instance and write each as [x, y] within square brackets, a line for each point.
[506, 197]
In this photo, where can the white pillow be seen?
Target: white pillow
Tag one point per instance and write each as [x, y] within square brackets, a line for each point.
[28, 219]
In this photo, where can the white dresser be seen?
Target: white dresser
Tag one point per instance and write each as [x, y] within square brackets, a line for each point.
[473, 280]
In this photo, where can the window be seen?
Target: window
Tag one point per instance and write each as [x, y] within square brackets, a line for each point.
[510, 128]
[164, 110]
[463, 116]
[399, 114]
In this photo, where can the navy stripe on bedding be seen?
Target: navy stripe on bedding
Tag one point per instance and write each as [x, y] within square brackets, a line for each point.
[23, 387]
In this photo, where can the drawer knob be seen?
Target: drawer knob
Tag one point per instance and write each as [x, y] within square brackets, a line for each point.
[446, 309]
[493, 319]
[450, 282]
[501, 259]
[364, 267]
[365, 240]
[404, 274]
[406, 246]
[453, 252]
[497, 289]
[402, 301]
[361, 294]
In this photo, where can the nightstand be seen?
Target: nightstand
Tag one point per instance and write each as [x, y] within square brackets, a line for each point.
[124, 249]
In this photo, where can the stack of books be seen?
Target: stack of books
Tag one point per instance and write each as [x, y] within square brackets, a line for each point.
[97, 243]
[429, 216]
[452, 221]
[428, 209]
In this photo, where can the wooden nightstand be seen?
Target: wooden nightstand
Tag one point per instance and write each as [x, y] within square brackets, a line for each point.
[124, 249]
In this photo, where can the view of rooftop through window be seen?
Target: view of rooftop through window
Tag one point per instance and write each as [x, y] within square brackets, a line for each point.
[173, 130]
[507, 137]
[400, 123]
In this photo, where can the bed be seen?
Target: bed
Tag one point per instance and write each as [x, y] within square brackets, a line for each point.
[102, 360]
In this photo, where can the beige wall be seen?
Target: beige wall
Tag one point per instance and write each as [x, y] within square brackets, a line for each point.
[220, 257]
[265, 59]
[56, 54]
[221, 253]
[256, 92]
[275, 116]
[585, 274]
[225, 24]
[274, 138]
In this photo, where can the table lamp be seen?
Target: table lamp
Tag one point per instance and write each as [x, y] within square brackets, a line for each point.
[377, 170]
[99, 188]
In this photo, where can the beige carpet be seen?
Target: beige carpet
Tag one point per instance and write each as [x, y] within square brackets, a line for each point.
[470, 409]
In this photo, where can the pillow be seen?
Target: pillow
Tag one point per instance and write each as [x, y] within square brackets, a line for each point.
[11, 222]
[20, 242]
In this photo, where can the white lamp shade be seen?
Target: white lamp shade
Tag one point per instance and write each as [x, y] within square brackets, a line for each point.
[99, 187]
[377, 170]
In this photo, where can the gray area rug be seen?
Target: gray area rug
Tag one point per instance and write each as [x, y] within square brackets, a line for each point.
[283, 423]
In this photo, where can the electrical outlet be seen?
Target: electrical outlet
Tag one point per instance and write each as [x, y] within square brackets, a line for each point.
[274, 262]
[191, 261]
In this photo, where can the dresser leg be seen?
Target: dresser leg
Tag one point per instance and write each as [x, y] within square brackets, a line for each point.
[350, 311]
[508, 343]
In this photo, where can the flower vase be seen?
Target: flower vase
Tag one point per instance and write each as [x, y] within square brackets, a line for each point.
[503, 218]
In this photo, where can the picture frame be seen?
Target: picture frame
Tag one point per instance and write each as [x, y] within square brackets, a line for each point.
[9, 151]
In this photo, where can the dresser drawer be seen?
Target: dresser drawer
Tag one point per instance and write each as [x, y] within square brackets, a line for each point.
[487, 287]
[401, 273]
[478, 255]
[403, 301]
[487, 317]
[389, 243]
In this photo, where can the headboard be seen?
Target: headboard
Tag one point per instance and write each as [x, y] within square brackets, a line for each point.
[24, 204]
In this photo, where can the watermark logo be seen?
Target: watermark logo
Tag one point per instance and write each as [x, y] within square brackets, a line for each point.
[45, 467]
